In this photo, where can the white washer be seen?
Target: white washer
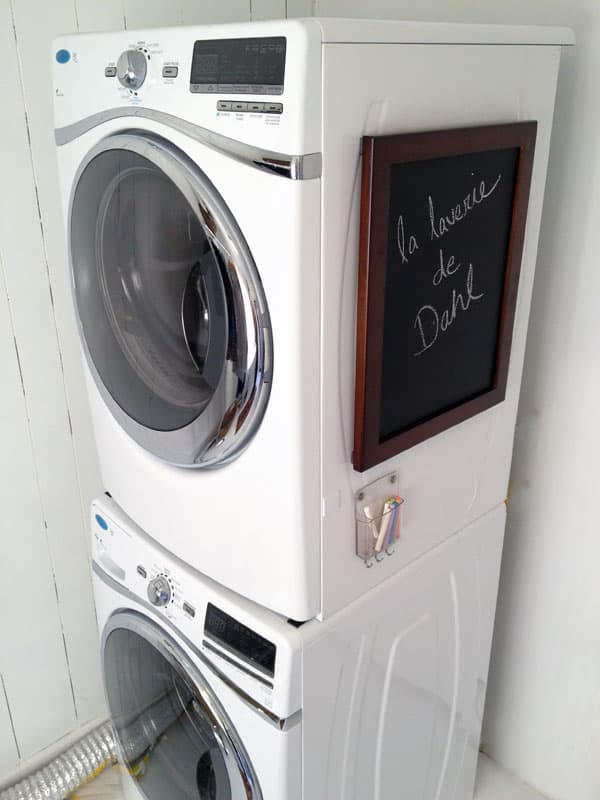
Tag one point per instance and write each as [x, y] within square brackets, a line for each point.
[212, 229]
[215, 698]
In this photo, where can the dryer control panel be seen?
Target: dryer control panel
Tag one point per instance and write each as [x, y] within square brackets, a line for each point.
[257, 83]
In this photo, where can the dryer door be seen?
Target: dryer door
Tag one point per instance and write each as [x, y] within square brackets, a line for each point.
[175, 738]
[172, 312]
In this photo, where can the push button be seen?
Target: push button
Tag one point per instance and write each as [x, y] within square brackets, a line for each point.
[189, 610]
[274, 108]
[110, 72]
[239, 106]
[224, 105]
[170, 72]
[256, 107]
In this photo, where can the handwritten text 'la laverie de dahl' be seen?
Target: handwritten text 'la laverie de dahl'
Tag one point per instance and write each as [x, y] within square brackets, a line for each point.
[429, 323]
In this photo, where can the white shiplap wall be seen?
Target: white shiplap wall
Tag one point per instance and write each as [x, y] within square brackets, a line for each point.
[49, 674]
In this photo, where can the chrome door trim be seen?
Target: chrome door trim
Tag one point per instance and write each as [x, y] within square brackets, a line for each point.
[296, 167]
[218, 435]
[232, 748]
[281, 723]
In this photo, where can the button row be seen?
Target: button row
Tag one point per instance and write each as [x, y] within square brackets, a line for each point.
[256, 108]
[167, 72]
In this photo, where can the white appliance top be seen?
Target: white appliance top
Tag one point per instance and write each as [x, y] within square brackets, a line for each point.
[253, 82]
[371, 31]
[336, 30]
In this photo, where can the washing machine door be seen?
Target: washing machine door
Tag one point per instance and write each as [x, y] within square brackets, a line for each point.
[175, 738]
[172, 313]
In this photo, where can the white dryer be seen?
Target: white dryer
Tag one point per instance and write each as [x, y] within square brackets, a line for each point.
[210, 189]
[215, 698]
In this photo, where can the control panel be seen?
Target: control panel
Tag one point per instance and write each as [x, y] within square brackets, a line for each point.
[141, 66]
[131, 69]
[224, 66]
[234, 647]
[258, 84]
[219, 66]
[153, 579]
[252, 649]
[157, 582]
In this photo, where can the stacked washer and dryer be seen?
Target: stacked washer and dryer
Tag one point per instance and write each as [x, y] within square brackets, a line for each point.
[210, 182]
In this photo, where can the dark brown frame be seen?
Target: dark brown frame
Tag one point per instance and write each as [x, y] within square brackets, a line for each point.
[379, 154]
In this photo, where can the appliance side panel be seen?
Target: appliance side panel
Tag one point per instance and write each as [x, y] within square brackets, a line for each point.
[458, 475]
[394, 685]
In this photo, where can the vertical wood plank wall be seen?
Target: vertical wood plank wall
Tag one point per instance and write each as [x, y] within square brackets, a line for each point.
[49, 673]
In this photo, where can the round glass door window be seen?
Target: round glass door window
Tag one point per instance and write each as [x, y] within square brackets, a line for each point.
[175, 738]
[171, 308]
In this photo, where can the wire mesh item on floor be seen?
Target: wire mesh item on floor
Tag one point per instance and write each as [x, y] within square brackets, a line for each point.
[67, 772]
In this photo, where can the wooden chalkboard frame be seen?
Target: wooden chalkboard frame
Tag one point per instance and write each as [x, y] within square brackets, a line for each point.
[379, 154]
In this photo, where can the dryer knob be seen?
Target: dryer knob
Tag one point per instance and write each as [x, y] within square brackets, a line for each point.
[159, 591]
[131, 69]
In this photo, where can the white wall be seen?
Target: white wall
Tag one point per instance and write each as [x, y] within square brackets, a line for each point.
[543, 710]
[49, 677]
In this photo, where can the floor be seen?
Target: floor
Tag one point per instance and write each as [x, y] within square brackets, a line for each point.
[495, 784]
[107, 786]
[492, 784]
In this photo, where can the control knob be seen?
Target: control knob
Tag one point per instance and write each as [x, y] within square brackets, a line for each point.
[159, 591]
[131, 69]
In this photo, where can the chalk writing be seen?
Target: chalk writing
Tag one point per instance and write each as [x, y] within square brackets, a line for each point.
[412, 242]
[445, 269]
[441, 225]
[430, 324]
[441, 235]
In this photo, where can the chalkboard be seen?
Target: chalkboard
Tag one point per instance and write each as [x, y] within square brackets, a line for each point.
[442, 226]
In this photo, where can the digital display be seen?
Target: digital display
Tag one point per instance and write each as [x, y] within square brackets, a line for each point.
[239, 66]
[240, 640]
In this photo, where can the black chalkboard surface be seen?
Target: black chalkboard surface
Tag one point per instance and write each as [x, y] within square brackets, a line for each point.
[442, 225]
